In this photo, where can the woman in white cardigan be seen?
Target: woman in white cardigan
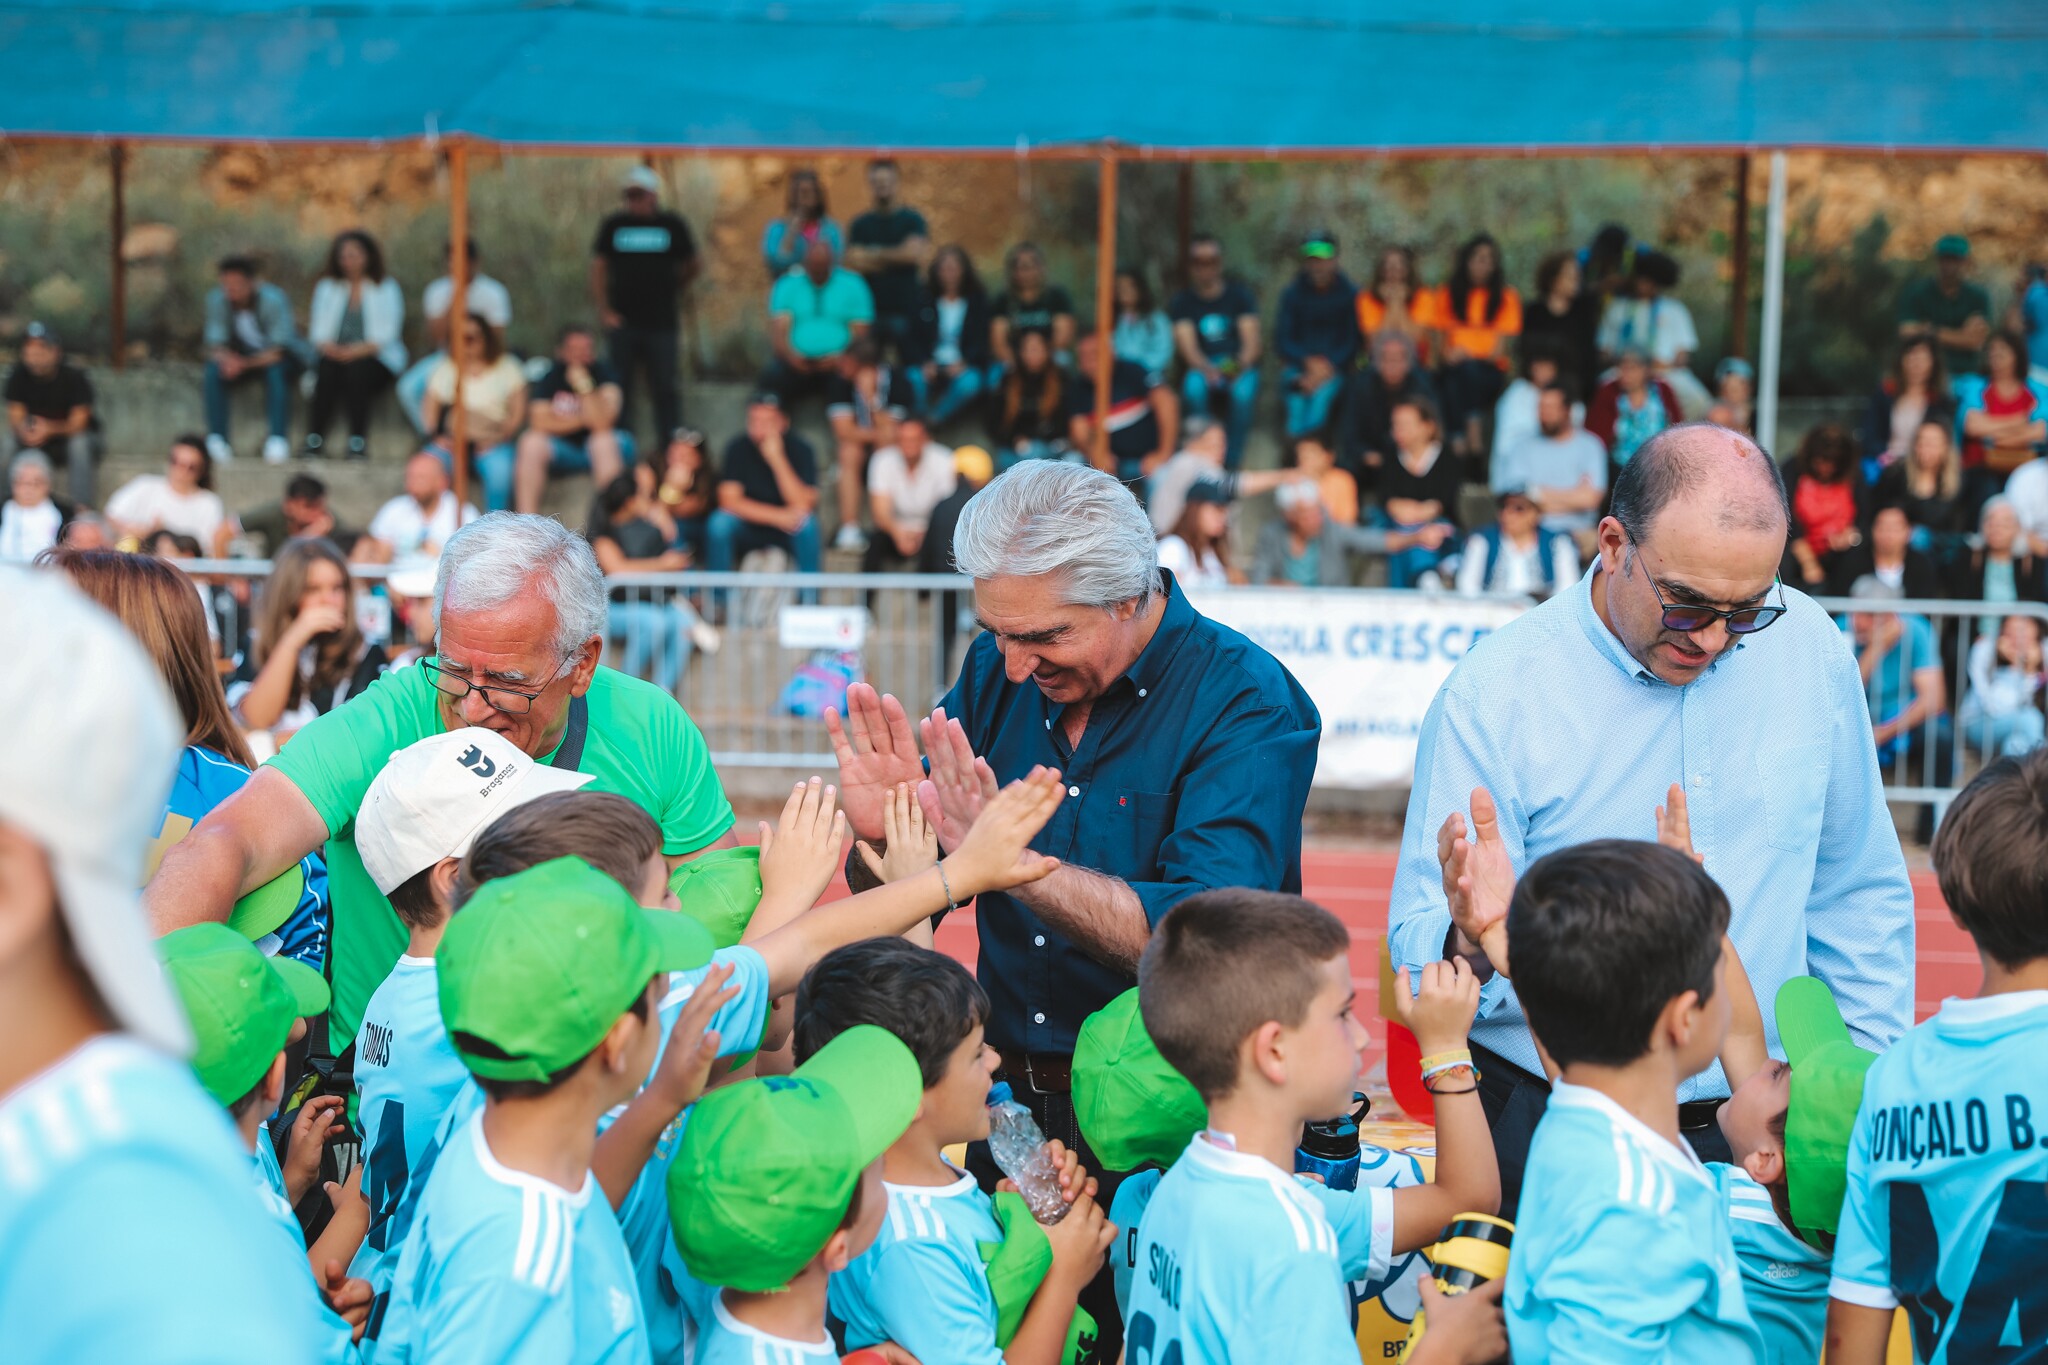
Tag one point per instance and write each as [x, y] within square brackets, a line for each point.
[357, 326]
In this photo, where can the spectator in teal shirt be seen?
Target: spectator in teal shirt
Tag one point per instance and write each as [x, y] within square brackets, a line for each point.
[814, 314]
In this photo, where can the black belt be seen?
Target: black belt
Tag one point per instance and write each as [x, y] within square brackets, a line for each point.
[1039, 1073]
[1697, 1115]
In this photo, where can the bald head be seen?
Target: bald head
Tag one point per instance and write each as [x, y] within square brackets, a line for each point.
[1703, 466]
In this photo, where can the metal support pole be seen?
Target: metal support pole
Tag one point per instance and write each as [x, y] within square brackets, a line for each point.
[458, 308]
[1774, 308]
[1184, 221]
[117, 165]
[1105, 304]
[1738, 290]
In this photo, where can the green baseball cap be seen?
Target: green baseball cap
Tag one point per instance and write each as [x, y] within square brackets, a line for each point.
[1320, 245]
[720, 891]
[1015, 1266]
[240, 1002]
[269, 905]
[539, 966]
[1826, 1091]
[1955, 245]
[1131, 1106]
[767, 1167]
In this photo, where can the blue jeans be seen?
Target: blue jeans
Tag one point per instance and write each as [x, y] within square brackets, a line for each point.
[1238, 399]
[652, 632]
[727, 540]
[493, 470]
[1308, 413]
[1405, 566]
[2007, 736]
[952, 394]
[277, 397]
[412, 388]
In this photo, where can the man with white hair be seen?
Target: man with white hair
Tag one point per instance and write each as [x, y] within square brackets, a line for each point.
[519, 619]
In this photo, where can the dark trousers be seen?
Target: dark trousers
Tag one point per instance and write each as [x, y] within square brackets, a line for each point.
[653, 349]
[351, 385]
[1514, 1101]
[793, 386]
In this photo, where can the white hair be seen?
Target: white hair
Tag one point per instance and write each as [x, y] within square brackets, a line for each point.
[1046, 517]
[29, 459]
[506, 555]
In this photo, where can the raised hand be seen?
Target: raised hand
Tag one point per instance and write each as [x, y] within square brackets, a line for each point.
[876, 752]
[1439, 1013]
[1478, 874]
[685, 1066]
[801, 854]
[910, 844]
[997, 855]
[1674, 825]
[960, 784]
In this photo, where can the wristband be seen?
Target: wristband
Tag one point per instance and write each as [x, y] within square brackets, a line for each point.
[1448, 1068]
[944, 885]
[1438, 1061]
[1466, 1091]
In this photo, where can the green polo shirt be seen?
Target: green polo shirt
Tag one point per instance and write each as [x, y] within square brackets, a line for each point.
[821, 316]
[640, 744]
[1922, 301]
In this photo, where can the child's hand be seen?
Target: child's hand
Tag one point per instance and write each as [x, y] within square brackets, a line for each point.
[910, 844]
[319, 1123]
[1462, 1329]
[1080, 1241]
[350, 1299]
[800, 856]
[692, 1043]
[1674, 825]
[1440, 1013]
[1478, 875]
[996, 855]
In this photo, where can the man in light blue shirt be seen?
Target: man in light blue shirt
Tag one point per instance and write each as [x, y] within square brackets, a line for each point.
[1656, 670]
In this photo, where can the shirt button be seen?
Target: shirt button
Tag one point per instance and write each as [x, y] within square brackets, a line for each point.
[1141, 691]
[1039, 941]
[1037, 1018]
[1048, 722]
[1073, 791]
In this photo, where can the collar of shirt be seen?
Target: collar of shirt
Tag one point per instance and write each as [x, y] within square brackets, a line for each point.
[1678, 1156]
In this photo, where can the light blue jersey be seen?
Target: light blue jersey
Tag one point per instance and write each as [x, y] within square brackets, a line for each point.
[1784, 1281]
[923, 1284]
[1945, 1213]
[501, 1266]
[722, 1339]
[1237, 1262]
[1622, 1247]
[407, 1078]
[129, 1226]
[337, 1342]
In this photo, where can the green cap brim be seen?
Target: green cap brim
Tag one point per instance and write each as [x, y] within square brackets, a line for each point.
[310, 995]
[877, 1077]
[1318, 251]
[1017, 1265]
[720, 891]
[1808, 1019]
[682, 944]
[1132, 1106]
[1827, 1091]
[269, 905]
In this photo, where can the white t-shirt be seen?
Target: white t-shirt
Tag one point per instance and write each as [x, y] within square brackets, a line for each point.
[1178, 558]
[913, 493]
[1662, 327]
[412, 533]
[149, 501]
[494, 395]
[487, 298]
[26, 532]
[2028, 488]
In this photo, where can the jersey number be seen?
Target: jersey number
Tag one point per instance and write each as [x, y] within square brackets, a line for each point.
[2004, 1314]
[384, 1180]
[1142, 1345]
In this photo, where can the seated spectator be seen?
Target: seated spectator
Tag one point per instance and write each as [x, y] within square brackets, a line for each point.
[1885, 554]
[632, 533]
[87, 530]
[815, 312]
[309, 653]
[2028, 316]
[572, 427]
[805, 219]
[416, 524]
[2027, 489]
[767, 493]
[1391, 303]
[906, 481]
[50, 408]
[1201, 458]
[1418, 488]
[1312, 459]
[1028, 412]
[1514, 416]
[2001, 713]
[1914, 393]
[1905, 689]
[2004, 417]
[1558, 466]
[1948, 308]
[1142, 418]
[357, 328]
[249, 335]
[1517, 553]
[2002, 568]
[1304, 548]
[1928, 483]
[1566, 316]
[1368, 423]
[1735, 395]
[863, 402]
[1197, 550]
[301, 512]
[1216, 333]
[494, 407]
[1830, 504]
[952, 336]
[889, 243]
[1030, 303]
[681, 480]
[484, 297]
[1631, 407]
[1316, 335]
[1475, 314]
[1660, 326]
[31, 518]
[1144, 334]
[179, 499]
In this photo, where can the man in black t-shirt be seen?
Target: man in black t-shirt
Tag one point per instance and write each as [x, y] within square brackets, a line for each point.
[1143, 415]
[889, 245]
[642, 259]
[49, 408]
[767, 494]
[572, 419]
[1216, 334]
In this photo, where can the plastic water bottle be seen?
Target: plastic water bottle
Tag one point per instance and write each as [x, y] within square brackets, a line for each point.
[1019, 1148]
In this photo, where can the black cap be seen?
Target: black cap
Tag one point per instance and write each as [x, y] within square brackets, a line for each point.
[764, 398]
[1208, 490]
[40, 331]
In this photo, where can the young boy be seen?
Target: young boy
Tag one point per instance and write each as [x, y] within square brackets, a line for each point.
[777, 1186]
[1944, 1213]
[923, 1285]
[1622, 1249]
[548, 985]
[244, 1009]
[1248, 994]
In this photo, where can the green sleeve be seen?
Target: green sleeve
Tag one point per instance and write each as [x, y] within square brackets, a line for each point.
[694, 810]
[333, 760]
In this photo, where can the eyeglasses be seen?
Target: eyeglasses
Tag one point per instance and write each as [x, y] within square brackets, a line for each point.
[510, 701]
[1686, 618]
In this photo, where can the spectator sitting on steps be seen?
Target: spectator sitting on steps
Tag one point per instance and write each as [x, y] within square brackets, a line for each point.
[50, 408]
[572, 418]
[249, 334]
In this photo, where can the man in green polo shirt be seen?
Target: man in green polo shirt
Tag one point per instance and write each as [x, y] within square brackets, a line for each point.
[520, 622]
[1953, 310]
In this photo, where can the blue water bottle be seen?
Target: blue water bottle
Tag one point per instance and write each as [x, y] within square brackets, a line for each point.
[1329, 1149]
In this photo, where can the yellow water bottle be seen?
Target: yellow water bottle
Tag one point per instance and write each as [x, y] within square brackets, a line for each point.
[1474, 1250]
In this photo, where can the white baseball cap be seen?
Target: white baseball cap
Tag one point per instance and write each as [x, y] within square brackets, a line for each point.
[92, 748]
[642, 178]
[434, 797]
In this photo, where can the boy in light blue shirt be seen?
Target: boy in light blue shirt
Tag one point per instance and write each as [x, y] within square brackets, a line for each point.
[1945, 1214]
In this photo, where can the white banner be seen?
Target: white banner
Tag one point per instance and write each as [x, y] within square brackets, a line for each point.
[1371, 662]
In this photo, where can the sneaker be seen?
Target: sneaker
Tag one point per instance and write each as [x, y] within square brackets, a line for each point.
[358, 448]
[218, 448]
[276, 450]
[850, 539]
[705, 636]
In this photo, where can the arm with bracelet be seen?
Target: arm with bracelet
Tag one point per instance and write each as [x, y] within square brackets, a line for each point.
[1439, 1013]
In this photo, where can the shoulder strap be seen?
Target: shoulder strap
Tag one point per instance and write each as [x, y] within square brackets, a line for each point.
[570, 754]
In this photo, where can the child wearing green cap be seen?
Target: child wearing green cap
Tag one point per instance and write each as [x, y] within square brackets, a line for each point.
[1944, 1213]
[924, 1284]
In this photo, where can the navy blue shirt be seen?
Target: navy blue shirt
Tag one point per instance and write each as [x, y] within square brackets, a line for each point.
[1191, 775]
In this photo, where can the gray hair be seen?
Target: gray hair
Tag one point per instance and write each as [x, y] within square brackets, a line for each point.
[505, 555]
[1992, 504]
[29, 459]
[1047, 517]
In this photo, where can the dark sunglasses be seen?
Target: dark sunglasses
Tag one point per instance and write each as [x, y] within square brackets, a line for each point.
[1685, 618]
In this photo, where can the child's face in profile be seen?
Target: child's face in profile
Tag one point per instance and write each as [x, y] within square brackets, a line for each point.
[956, 1109]
[1753, 1119]
[655, 893]
[1324, 1053]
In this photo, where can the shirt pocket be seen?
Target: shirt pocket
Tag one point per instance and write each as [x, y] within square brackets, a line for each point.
[1141, 821]
[1794, 778]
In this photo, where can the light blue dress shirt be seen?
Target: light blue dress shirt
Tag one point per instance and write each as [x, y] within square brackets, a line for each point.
[1577, 741]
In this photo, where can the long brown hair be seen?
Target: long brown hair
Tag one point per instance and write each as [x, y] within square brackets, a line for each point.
[1013, 385]
[158, 605]
[1189, 529]
[334, 659]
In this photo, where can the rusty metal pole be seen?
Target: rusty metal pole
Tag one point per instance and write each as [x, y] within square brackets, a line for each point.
[1738, 289]
[117, 164]
[1105, 305]
[458, 309]
[1184, 221]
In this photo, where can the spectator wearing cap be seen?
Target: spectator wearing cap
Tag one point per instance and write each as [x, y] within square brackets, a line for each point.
[1216, 333]
[1949, 307]
[1559, 466]
[1304, 547]
[572, 426]
[1516, 552]
[482, 297]
[1142, 418]
[888, 245]
[1734, 395]
[356, 326]
[50, 408]
[641, 261]
[815, 313]
[1316, 334]
[1476, 315]
[907, 480]
[767, 493]
[864, 400]
[32, 519]
[249, 335]
[1647, 318]
[1196, 549]
[303, 510]
[1202, 456]
[1631, 406]
[1366, 435]
[180, 499]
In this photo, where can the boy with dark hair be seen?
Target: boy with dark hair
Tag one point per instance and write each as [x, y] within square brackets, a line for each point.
[1248, 994]
[1944, 1214]
[923, 1284]
[1623, 1249]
